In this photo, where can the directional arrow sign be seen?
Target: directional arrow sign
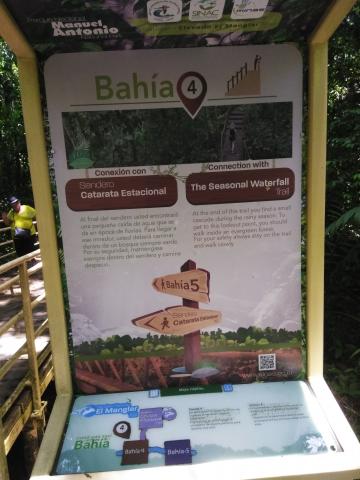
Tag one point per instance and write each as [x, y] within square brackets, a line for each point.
[192, 285]
[178, 320]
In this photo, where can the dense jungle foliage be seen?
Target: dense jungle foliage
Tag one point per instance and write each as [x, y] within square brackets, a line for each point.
[342, 278]
[342, 243]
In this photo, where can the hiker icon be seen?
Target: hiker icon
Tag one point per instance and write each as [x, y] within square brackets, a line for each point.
[165, 324]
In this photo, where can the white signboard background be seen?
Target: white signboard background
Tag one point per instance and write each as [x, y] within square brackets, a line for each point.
[258, 420]
[256, 283]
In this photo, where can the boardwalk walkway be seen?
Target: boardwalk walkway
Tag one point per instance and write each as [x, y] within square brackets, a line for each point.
[11, 341]
[25, 359]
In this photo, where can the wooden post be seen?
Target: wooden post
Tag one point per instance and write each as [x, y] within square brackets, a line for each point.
[4, 472]
[32, 439]
[192, 352]
[34, 428]
[30, 337]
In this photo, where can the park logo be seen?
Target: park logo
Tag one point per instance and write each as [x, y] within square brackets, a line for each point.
[243, 9]
[246, 80]
[205, 10]
[164, 11]
[86, 29]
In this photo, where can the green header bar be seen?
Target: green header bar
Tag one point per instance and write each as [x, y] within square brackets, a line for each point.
[226, 25]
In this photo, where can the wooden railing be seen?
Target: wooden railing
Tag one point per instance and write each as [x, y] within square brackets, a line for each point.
[7, 250]
[24, 404]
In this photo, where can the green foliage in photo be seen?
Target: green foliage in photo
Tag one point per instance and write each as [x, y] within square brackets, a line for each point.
[244, 339]
[168, 136]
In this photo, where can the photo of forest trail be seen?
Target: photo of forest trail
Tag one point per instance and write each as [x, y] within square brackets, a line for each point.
[120, 138]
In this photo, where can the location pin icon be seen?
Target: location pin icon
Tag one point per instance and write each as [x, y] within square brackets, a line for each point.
[191, 88]
[122, 429]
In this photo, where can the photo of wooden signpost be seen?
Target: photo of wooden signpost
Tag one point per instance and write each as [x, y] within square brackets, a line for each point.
[193, 286]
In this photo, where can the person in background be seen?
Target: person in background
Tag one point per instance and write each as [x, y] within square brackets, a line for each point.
[20, 218]
[232, 136]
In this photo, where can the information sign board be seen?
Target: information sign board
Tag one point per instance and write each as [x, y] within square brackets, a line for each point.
[159, 157]
[160, 427]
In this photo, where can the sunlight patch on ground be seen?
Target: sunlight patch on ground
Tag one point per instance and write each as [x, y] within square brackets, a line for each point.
[10, 343]
[4, 302]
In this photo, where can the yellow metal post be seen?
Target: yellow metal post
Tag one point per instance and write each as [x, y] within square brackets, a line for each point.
[10, 32]
[332, 18]
[36, 146]
[53, 435]
[316, 181]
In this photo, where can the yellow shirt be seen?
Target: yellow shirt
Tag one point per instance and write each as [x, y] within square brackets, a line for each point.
[23, 219]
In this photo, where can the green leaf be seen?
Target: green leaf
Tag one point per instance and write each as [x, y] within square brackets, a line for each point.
[350, 217]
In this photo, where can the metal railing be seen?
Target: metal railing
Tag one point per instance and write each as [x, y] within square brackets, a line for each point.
[24, 403]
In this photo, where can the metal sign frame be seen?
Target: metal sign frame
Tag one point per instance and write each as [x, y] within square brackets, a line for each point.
[337, 466]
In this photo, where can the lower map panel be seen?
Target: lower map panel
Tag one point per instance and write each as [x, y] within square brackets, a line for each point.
[187, 425]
